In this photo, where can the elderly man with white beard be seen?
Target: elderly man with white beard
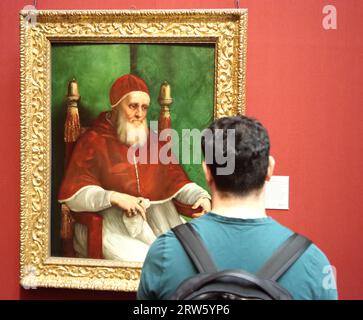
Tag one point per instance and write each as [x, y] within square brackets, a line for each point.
[134, 198]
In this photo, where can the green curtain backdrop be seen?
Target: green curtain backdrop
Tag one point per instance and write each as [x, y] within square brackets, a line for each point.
[190, 72]
[188, 68]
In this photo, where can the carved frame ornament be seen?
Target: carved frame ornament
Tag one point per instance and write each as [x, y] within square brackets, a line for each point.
[226, 29]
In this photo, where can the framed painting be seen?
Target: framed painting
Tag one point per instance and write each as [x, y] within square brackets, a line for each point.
[97, 86]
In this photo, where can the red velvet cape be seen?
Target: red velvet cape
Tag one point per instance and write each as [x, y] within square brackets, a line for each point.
[100, 159]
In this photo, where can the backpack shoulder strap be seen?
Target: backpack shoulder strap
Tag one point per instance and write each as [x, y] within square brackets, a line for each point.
[195, 248]
[284, 257]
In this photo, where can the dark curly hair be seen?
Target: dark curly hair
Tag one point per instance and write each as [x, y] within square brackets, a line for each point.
[250, 151]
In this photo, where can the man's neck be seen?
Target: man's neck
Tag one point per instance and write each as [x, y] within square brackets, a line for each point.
[251, 206]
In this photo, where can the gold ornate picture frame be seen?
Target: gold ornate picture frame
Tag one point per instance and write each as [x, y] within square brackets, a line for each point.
[225, 30]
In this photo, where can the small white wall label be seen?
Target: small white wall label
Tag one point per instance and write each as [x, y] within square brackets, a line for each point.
[277, 193]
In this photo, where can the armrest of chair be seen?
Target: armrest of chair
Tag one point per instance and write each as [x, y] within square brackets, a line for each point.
[94, 222]
[67, 231]
[186, 209]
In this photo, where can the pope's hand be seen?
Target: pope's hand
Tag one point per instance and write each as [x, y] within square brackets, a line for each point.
[204, 203]
[130, 204]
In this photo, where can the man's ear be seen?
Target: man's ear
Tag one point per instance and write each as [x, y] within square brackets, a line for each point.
[207, 173]
[271, 167]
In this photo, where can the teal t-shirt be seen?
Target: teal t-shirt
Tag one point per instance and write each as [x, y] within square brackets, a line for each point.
[234, 243]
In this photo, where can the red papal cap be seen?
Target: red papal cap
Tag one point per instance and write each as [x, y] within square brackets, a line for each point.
[124, 85]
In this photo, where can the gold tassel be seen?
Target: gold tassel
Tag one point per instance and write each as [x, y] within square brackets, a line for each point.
[66, 223]
[72, 127]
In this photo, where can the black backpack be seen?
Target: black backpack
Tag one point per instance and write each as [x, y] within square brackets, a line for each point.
[235, 284]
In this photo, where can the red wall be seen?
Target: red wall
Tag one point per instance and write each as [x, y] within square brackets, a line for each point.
[303, 82]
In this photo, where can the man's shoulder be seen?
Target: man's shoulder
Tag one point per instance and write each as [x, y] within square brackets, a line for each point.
[316, 262]
[312, 261]
[164, 241]
[167, 247]
[316, 255]
[311, 271]
[167, 252]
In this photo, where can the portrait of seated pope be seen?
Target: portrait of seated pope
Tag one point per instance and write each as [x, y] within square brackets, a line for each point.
[106, 204]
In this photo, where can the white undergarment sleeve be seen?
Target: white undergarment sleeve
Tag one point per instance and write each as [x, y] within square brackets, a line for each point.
[91, 199]
[190, 193]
